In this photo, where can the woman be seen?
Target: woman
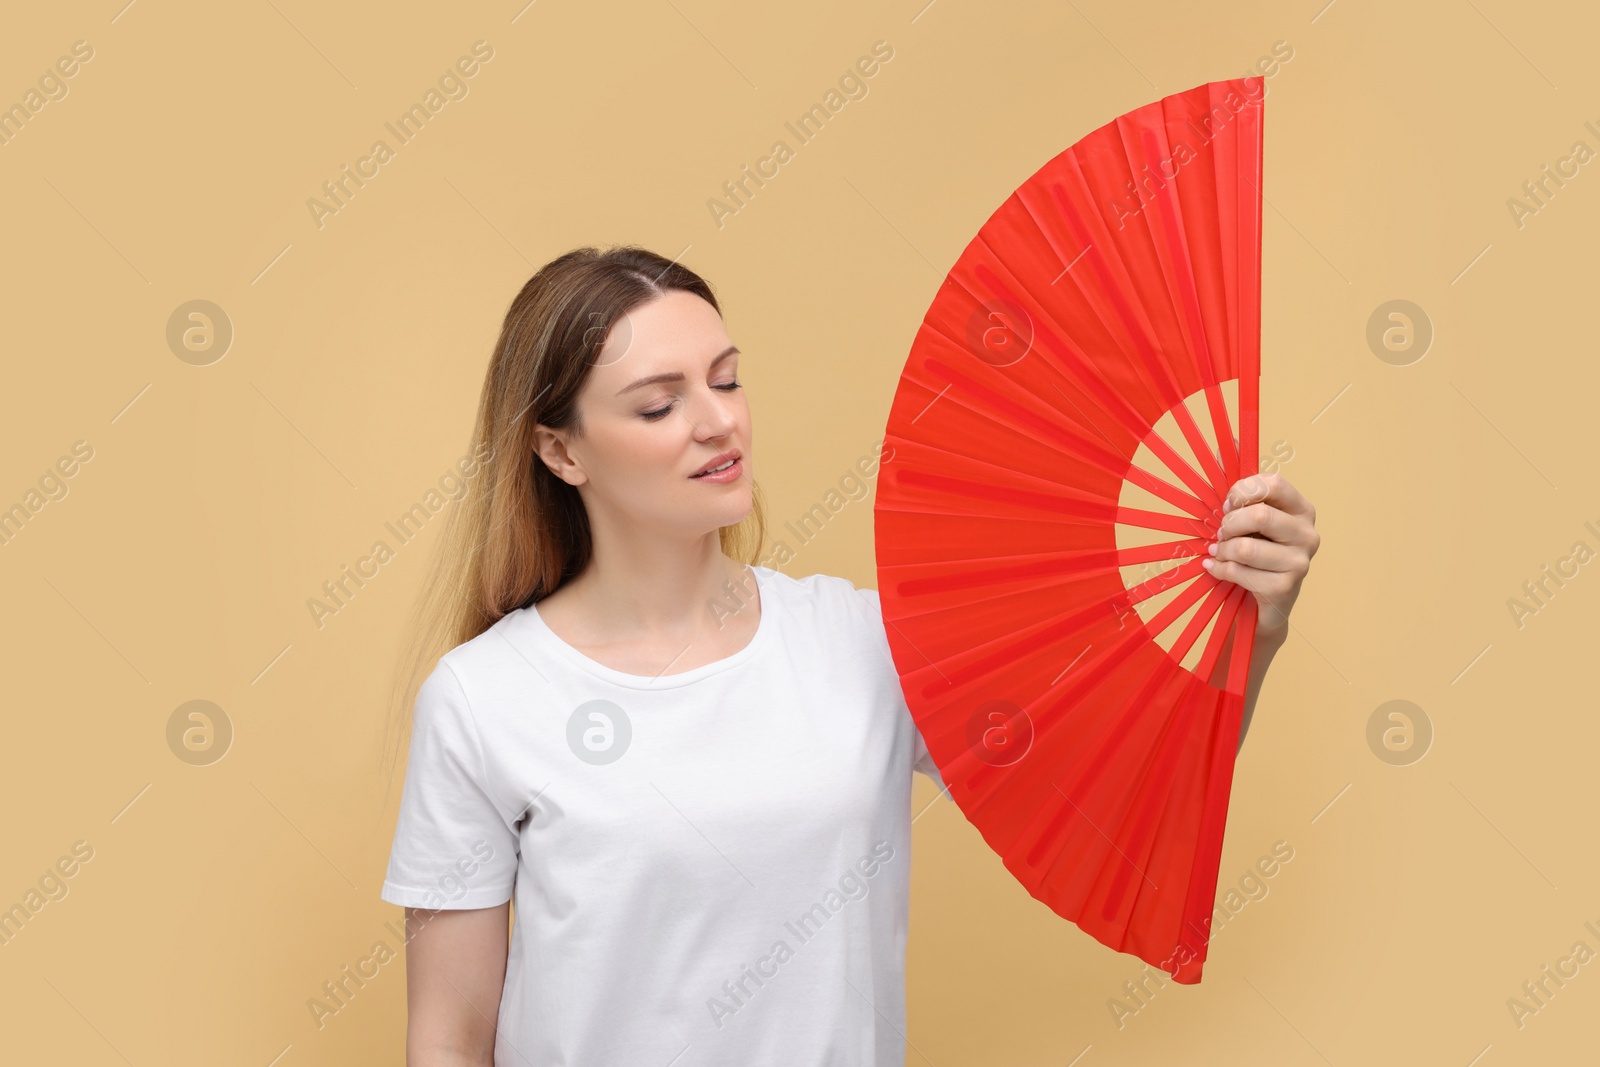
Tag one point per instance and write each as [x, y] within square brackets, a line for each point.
[691, 772]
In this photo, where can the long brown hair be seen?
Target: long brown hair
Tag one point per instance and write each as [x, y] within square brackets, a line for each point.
[519, 532]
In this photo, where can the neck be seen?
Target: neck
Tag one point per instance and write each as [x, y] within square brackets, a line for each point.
[657, 586]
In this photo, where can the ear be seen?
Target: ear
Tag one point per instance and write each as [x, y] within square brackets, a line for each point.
[550, 448]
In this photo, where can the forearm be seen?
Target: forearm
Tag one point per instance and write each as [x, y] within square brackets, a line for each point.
[455, 975]
[1263, 544]
[1266, 646]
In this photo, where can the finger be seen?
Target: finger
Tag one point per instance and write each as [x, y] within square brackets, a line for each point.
[1272, 489]
[1271, 586]
[1264, 520]
[1260, 554]
[1274, 597]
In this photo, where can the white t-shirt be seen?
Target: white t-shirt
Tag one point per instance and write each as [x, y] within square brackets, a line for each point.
[707, 868]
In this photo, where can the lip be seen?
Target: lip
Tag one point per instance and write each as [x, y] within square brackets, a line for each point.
[717, 462]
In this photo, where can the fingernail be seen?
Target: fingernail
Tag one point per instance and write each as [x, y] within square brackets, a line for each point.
[1212, 548]
[1207, 562]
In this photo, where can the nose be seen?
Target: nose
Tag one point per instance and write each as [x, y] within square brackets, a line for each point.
[718, 415]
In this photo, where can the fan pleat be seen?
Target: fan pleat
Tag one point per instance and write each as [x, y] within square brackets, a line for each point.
[1000, 419]
[1151, 483]
[1165, 229]
[1157, 776]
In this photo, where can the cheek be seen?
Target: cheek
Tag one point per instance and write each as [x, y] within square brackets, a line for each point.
[642, 453]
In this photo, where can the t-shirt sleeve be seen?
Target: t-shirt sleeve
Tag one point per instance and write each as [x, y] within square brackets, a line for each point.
[452, 848]
[921, 760]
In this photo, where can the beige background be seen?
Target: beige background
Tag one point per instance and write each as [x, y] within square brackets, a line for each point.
[218, 498]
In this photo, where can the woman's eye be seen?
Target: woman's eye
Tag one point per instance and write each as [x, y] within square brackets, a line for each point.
[661, 413]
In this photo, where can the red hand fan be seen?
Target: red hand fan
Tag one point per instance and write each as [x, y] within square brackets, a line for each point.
[1060, 444]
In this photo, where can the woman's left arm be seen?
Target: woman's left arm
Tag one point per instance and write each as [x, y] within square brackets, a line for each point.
[1265, 542]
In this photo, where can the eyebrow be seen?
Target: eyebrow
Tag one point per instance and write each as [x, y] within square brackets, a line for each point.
[674, 376]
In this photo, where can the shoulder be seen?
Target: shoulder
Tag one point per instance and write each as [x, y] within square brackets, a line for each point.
[485, 652]
[829, 603]
[817, 592]
[478, 672]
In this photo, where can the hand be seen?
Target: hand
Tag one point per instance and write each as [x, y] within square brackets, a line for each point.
[1265, 542]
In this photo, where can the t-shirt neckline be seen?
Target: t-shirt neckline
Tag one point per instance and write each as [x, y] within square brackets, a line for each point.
[548, 638]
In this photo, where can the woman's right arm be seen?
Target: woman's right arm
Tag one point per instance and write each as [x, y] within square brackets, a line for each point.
[455, 971]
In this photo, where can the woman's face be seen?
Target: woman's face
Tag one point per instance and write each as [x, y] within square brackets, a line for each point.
[662, 402]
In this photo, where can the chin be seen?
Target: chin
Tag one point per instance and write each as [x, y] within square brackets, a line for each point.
[733, 515]
[733, 510]
[706, 518]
